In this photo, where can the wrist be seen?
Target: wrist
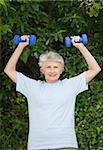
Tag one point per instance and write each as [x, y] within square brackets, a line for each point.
[81, 47]
[20, 46]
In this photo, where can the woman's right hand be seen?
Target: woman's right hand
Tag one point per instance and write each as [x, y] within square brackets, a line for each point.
[24, 37]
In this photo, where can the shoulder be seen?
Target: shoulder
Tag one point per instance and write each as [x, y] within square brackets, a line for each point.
[75, 78]
[21, 77]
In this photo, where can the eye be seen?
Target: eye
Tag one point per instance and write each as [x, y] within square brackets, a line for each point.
[55, 66]
[48, 67]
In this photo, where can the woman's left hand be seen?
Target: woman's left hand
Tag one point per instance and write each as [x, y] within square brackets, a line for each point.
[75, 42]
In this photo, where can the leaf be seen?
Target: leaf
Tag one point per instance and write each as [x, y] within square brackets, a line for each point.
[25, 55]
[60, 37]
[4, 4]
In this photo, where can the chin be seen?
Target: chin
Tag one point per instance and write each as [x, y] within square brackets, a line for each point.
[52, 80]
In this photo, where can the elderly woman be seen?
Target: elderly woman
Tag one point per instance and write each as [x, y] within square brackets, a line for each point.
[51, 102]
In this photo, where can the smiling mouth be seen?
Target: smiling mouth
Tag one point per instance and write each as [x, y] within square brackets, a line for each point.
[52, 75]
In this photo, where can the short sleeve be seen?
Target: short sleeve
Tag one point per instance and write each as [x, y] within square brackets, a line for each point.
[23, 84]
[78, 83]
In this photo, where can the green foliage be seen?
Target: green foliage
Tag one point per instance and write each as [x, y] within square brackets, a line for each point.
[93, 8]
[51, 21]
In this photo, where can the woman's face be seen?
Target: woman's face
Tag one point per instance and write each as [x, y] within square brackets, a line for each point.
[51, 71]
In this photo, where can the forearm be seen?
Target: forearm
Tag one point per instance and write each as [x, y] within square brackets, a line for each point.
[93, 67]
[92, 63]
[10, 68]
[11, 65]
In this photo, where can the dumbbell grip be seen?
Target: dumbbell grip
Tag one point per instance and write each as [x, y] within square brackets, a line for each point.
[23, 40]
[80, 40]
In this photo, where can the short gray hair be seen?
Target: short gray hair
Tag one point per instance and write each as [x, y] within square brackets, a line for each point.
[53, 56]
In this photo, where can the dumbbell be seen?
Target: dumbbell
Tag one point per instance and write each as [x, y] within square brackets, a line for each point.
[83, 39]
[18, 39]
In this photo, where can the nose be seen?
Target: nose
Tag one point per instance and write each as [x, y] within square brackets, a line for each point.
[51, 70]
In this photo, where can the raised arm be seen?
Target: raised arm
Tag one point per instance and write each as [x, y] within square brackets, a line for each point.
[10, 68]
[93, 67]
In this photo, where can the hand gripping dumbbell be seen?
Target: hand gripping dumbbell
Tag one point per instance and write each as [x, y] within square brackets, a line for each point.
[83, 39]
[18, 39]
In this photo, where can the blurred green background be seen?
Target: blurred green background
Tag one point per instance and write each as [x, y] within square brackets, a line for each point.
[53, 21]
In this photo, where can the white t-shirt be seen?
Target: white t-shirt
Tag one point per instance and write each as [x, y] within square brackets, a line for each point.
[51, 110]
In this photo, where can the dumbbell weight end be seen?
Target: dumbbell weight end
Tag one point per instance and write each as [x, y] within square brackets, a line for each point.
[32, 39]
[68, 41]
[83, 39]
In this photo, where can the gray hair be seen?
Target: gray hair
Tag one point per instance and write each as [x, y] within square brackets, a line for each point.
[53, 56]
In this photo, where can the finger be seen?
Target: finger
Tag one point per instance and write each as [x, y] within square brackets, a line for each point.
[76, 38]
[25, 37]
[71, 37]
